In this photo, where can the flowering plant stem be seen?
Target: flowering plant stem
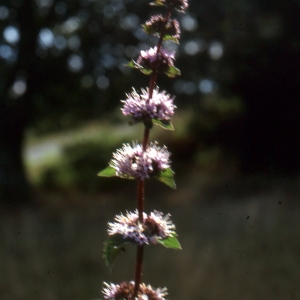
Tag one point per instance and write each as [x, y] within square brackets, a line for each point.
[146, 160]
[140, 248]
[141, 183]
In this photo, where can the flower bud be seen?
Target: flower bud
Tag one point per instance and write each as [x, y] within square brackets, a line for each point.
[158, 25]
[125, 291]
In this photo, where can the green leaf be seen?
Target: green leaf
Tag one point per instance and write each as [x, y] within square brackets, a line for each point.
[145, 70]
[135, 65]
[170, 38]
[111, 172]
[167, 177]
[157, 3]
[170, 242]
[172, 72]
[149, 29]
[164, 124]
[131, 64]
[113, 246]
[107, 172]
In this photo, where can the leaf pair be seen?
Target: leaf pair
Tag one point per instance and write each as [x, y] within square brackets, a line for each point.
[116, 243]
[165, 124]
[166, 37]
[171, 71]
[166, 176]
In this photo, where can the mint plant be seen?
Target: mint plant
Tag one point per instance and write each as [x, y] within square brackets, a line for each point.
[145, 160]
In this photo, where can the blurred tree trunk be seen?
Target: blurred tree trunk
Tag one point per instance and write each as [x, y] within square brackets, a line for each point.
[14, 188]
[15, 112]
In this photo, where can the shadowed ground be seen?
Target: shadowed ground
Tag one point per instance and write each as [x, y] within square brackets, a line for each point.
[240, 240]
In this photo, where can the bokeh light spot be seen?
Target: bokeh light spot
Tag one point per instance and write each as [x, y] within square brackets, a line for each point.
[46, 38]
[189, 23]
[19, 87]
[130, 22]
[108, 11]
[71, 25]
[60, 42]
[102, 82]
[11, 34]
[7, 53]
[108, 61]
[118, 5]
[185, 87]
[75, 63]
[191, 47]
[140, 34]
[206, 86]
[131, 51]
[4, 12]
[215, 50]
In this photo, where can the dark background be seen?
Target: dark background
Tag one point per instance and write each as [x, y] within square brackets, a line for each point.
[235, 148]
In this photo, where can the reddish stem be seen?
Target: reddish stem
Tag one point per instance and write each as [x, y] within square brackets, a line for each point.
[168, 14]
[138, 269]
[141, 183]
[141, 192]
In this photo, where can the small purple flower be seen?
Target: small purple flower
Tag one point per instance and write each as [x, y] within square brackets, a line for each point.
[110, 290]
[134, 163]
[140, 107]
[159, 226]
[129, 227]
[156, 226]
[159, 61]
[125, 291]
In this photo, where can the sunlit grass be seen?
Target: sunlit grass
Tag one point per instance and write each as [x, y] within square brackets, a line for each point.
[43, 153]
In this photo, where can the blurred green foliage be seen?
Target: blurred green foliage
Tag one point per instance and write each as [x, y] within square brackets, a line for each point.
[62, 63]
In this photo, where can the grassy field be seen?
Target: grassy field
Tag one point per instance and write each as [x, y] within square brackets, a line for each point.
[240, 240]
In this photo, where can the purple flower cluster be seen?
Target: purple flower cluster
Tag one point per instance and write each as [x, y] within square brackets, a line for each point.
[158, 61]
[125, 291]
[140, 107]
[155, 226]
[158, 25]
[134, 163]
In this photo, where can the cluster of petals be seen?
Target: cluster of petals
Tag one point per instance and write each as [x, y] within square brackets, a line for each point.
[159, 25]
[156, 60]
[125, 291]
[139, 106]
[155, 226]
[134, 162]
